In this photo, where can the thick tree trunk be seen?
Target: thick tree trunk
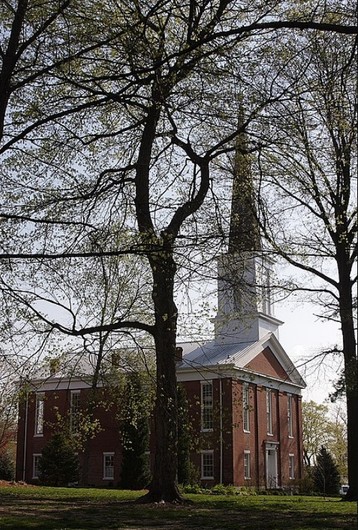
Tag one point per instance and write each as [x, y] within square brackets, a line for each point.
[164, 486]
[351, 381]
[352, 434]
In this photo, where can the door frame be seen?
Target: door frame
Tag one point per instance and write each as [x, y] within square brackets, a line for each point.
[271, 452]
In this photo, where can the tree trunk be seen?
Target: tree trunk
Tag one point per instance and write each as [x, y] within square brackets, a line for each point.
[163, 486]
[351, 380]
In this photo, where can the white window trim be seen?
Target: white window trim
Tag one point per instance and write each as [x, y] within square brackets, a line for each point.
[247, 452]
[246, 406]
[34, 456]
[74, 414]
[202, 384]
[207, 452]
[104, 466]
[289, 415]
[40, 398]
[269, 422]
[291, 458]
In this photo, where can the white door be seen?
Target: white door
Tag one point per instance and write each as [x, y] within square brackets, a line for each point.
[271, 469]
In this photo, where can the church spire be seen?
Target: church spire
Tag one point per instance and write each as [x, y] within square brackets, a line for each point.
[245, 305]
[244, 231]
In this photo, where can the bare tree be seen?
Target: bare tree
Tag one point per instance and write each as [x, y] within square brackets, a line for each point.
[307, 192]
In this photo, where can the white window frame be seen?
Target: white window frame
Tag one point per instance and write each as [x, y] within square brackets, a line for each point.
[106, 467]
[74, 411]
[289, 415]
[246, 407]
[267, 295]
[35, 465]
[269, 412]
[247, 464]
[207, 405]
[291, 466]
[204, 465]
[39, 414]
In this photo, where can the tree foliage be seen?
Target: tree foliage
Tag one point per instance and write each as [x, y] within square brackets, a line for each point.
[58, 465]
[9, 373]
[135, 413]
[7, 466]
[116, 120]
[184, 438]
[319, 429]
[325, 475]
[315, 426]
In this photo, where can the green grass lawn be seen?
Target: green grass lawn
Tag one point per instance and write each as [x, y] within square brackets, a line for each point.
[61, 508]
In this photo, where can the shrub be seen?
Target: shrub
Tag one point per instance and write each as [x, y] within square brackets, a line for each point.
[7, 467]
[220, 489]
[135, 472]
[184, 440]
[326, 475]
[58, 465]
[192, 488]
[305, 485]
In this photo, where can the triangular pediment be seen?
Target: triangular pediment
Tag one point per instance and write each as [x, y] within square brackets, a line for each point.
[265, 357]
[266, 363]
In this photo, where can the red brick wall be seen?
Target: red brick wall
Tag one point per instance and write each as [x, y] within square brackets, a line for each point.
[236, 441]
[57, 403]
[220, 440]
[266, 363]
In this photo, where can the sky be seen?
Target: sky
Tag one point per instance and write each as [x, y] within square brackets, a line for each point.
[304, 335]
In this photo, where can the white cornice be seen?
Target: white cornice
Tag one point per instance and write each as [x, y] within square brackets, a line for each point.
[230, 371]
[55, 383]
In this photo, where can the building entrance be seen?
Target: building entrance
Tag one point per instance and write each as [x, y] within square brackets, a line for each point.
[271, 466]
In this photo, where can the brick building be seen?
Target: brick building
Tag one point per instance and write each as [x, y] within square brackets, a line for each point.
[244, 393]
[53, 401]
[246, 408]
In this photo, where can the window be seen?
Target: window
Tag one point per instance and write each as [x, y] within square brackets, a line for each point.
[35, 465]
[269, 411]
[267, 302]
[289, 416]
[207, 406]
[264, 287]
[108, 466]
[75, 411]
[291, 466]
[247, 464]
[39, 415]
[246, 407]
[237, 294]
[207, 464]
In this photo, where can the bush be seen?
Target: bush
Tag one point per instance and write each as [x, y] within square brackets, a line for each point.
[325, 475]
[7, 467]
[192, 488]
[305, 485]
[58, 465]
[184, 440]
[135, 471]
[247, 490]
[220, 489]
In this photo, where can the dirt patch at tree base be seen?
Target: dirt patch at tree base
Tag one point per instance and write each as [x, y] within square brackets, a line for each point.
[8, 483]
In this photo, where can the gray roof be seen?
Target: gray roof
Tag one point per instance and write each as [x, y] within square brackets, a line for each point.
[236, 355]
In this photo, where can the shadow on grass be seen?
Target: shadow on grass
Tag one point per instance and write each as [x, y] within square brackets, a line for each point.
[79, 513]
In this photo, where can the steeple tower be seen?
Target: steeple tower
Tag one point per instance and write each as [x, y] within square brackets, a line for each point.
[245, 312]
[244, 233]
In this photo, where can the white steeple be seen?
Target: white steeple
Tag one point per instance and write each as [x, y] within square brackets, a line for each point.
[245, 305]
